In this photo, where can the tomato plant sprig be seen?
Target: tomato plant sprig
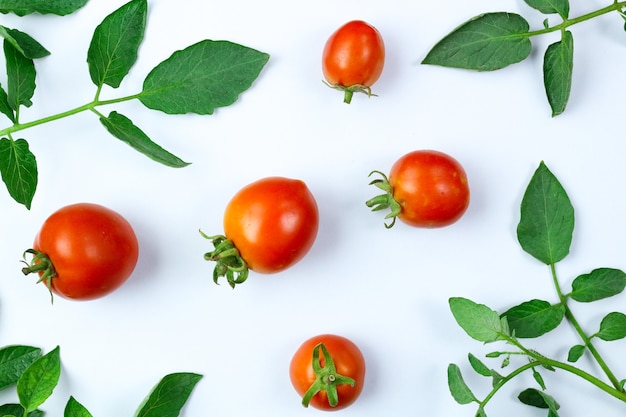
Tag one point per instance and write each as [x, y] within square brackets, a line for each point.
[198, 79]
[492, 41]
[545, 231]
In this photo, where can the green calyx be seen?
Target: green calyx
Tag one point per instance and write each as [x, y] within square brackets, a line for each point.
[384, 201]
[350, 90]
[229, 262]
[42, 265]
[326, 378]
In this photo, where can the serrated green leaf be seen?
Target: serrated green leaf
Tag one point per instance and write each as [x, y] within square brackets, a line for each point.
[478, 366]
[14, 360]
[558, 66]
[75, 409]
[534, 318]
[20, 77]
[38, 381]
[123, 128]
[169, 396]
[202, 77]
[539, 399]
[57, 7]
[551, 6]
[458, 388]
[18, 167]
[612, 327]
[16, 410]
[479, 321]
[547, 218]
[24, 43]
[115, 43]
[598, 284]
[575, 353]
[485, 43]
[5, 107]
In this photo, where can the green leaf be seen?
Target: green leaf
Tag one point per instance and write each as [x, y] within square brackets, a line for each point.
[558, 66]
[612, 327]
[16, 410]
[21, 77]
[19, 170]
[14, 360]
[123, 128]
[539, 379]
[598, 284]
[479, 321]
[458, 388]
[539, 399]
[547, 218]
[24, 43]
[75, 409]
[202, 77]
[484, 43]
[5, 107]
[169, 396]
[478, 366]
[534, 318]
[57, 7]
[576, 352]
[39, 380]
[115, 44]
[551, 6]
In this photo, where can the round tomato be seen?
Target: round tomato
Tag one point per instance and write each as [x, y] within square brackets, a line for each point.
[353, 58]
[328, 372]
[84, 251]
[425, 188]
[269, 225]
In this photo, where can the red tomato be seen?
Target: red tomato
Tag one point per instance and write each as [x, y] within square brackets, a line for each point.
[84, 251]
[425, 188]
[353, 58]
[328, 372]
[269, 225]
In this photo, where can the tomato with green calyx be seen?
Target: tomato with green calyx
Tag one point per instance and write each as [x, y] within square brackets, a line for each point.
[269, 225]
[328, 372]
[425, 188]
[83, 251]
[353, 58]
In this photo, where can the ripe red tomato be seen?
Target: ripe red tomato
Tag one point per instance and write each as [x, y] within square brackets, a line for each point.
[353, 58]
[328, 372]
[84, 251]
[269, 225]
[425, 188]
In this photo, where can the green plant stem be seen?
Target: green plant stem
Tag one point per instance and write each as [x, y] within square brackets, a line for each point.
[616, 6]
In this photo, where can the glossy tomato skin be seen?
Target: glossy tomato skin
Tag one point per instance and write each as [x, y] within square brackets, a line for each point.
[93, 249]
[273, 222]
[431, 187]
[354, 55]
[348, 360]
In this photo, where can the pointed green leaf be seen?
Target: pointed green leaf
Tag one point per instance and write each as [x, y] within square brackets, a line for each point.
[551, 6]
[19, 170]
[16, 410]
[5, 107]
[75, 409]
[169, 396]
[479, 321]
[57, 7]
[547, 218]
[558, 65]
[598, 284]
[24, 43]
[13, 362]
[539, 399]
[21, 77]
[202, 77]
[478, 366]
[576, 352]
[39, 380]
[612, 327]
[458, 388]
[539, 379]
[115, 44]
[485, 43]
[534, 318]
[123, 128]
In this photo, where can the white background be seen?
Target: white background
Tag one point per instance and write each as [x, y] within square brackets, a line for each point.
[387, 290]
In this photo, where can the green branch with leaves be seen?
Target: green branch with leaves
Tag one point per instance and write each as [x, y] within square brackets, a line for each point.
[545, 231]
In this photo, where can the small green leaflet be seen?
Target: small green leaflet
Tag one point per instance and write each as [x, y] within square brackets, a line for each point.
[115, 44]
[14, 360]
[39, 380]
[484, 43]
[612, 327]
[19, 170]
[20, 76]
[558, 67]
[479, 321]
[551, 6]
[546, 223]
[75, 409]
[576, 352]
[458, 388]
[169, 396]
[17, 410]
[539, 399]
[57, 7]
[5, 107]
[202, 77]
[534, 318]
[598, 284]
[24, 43]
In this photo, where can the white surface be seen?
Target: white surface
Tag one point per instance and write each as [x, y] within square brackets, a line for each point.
[387, 290]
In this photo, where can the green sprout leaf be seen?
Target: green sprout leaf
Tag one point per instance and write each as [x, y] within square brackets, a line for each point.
[5, 107]
[458, 388]
[39, 380]
[115, 44]
[557, 72]
[24, 43]
[534, 318]
[598, 284]
[547, 218]
[551, 6]
[57, 7]
[20, 75]
[479, 321]
[202, 77]
[14, 360]
[169, 396]
[75, 409]
[479, 366]
[19, 170]
[612, 327]
[539, 399]
[576, 352]
[16, 410]
[485, 43]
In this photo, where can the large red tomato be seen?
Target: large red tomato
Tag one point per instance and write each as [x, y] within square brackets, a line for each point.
[84, 251]
[328, 371]
[269, 225]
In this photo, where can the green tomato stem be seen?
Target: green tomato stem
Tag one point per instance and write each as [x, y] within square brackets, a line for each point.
[616, 6]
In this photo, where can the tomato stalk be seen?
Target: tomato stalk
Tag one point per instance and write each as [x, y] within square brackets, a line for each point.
[326, 377]
[42, 265]
[350, 90]
[229, 262]
[384, 201]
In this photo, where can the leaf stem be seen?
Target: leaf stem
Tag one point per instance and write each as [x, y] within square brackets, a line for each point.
[616, 6]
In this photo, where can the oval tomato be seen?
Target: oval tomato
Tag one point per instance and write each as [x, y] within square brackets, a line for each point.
[269, 225]
[84, 251]
[425, 188]
[328, 372]
[353, 58]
